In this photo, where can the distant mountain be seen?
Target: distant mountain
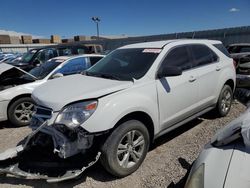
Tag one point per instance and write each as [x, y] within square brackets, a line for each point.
[14, 33]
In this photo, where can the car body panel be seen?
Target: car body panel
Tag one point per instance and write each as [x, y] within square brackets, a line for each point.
[216, 161]
[239, 169]
[56, 99]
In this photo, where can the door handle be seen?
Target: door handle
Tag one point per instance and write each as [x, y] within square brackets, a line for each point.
[192, 79]
[217, 68]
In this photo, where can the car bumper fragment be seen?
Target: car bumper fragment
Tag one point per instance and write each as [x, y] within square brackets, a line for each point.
[38, 158]
[70, 174]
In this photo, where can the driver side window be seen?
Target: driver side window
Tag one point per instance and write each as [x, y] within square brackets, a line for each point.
[178, 57]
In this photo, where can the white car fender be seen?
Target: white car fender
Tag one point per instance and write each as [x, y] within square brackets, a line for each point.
[114, 107]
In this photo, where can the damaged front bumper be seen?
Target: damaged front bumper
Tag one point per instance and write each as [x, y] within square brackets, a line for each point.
[48, 154]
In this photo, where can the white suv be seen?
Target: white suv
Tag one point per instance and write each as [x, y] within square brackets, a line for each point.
[132, 96]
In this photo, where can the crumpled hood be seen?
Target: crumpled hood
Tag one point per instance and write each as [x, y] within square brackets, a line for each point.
[59, 92]
[5, 67]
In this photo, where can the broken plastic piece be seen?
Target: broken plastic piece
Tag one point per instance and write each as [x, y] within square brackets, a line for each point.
[70, 174]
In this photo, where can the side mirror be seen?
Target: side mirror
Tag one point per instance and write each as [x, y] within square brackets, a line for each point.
[169, 71]
[57, 75]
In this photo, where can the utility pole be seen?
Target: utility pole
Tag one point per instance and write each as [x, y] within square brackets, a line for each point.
[96, 20]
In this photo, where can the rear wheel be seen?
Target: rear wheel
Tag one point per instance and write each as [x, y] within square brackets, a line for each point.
[125, 149]
[225, 101]
[20, 111]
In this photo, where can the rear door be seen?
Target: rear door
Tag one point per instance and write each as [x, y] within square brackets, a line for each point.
[177, 95]
[208, 68]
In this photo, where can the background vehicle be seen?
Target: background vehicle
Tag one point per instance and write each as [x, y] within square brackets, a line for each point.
[224, 160]
[17, 85]
[132, 96]
[36, 57]
[241, 54]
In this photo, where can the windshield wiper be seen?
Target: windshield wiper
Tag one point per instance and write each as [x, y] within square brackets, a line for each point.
[102, 75]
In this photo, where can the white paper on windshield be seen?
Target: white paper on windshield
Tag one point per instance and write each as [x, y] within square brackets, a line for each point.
[152, 50]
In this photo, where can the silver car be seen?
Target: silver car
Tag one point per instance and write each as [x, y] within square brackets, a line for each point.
[225, 161]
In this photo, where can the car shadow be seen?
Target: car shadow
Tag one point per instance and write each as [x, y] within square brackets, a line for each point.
[176, 132]
[97, 172]
[6, 124]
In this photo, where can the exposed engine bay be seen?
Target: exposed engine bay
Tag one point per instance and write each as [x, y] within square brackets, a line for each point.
[13, 77]
[49, 154]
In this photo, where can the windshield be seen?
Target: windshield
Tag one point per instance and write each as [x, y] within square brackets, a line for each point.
[125, 64]
[28, 56]
[46, 68]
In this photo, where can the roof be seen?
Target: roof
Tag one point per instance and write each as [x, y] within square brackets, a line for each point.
[64, 58]
[161, 44]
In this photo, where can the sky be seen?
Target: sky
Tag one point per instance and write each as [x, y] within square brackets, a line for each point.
[68, 18]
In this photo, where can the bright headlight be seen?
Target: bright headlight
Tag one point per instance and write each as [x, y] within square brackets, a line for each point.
[196, 180]
[75, 114]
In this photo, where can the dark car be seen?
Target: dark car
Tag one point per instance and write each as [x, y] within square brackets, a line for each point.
[241, 54]
[36, 57]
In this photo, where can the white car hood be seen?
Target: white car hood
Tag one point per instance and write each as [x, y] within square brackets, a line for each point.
[59, 92]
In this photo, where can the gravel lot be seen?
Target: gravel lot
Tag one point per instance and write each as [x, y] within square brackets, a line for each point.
[164, 166]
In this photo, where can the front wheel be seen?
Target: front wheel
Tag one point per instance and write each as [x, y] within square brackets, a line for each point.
[225, 101]
[20, 111]
[125, 149]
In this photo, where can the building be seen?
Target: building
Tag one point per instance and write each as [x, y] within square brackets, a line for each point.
[6, 39]
[67, 40]
[41, 41]
[26, 39]
[55, 39]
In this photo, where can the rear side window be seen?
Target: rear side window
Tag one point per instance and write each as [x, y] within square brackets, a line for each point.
[178, 57]
[203, 55]
[222, 48]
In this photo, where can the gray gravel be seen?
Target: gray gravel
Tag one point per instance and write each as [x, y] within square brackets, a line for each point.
[164, 166]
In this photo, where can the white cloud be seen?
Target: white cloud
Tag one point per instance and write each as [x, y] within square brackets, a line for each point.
[14, 33]
[234, 10]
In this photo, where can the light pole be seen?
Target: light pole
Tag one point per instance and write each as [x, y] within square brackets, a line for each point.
[96, 20]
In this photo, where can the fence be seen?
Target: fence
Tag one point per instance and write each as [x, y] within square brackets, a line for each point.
[227, 36]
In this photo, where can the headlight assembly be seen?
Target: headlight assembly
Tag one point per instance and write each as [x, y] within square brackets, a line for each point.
[75, 114]
[196, 180]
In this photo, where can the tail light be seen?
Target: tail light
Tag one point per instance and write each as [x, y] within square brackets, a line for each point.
[235, 64]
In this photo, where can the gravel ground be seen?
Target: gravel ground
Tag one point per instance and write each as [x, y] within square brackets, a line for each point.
[164, 166]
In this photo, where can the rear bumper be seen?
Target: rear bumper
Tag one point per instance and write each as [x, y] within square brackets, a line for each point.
[3, 110]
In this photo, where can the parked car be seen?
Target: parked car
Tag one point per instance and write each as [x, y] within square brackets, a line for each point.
[224, 160]
[16, 85]
[241, 54]
[4, 57]
[38, 56]
[113, 112]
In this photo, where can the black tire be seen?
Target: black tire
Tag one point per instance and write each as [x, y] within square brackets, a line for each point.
[225, 101]
[16, 105]
[110, 158]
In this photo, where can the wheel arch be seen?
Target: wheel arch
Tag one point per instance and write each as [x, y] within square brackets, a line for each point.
[230, 83]
[16, 98]
[142, 117]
